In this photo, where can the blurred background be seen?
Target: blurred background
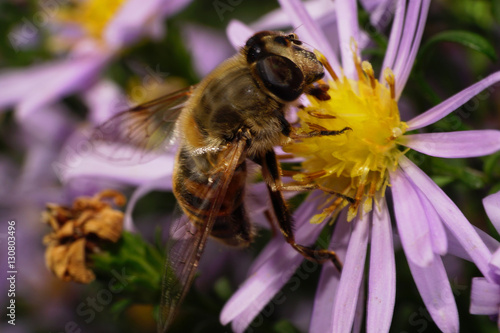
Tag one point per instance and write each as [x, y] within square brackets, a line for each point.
[62, 72]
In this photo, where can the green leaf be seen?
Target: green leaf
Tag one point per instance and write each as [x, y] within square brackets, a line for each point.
[442, 181]
[491, 164]
[142, 262]
[496, 10]
[120, 306]
[465, 38]
[284, 326]
[457, 170]
[223, 288]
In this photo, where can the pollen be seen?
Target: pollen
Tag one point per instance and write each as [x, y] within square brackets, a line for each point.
[92, 15]
[354, 163]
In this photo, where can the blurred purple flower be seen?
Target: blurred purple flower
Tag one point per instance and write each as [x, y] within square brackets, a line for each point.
[485, 293]
[24, 190]
[429, 224]
[88, 36]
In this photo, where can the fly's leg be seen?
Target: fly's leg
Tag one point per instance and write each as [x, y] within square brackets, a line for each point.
[271, 173]
[317, 130]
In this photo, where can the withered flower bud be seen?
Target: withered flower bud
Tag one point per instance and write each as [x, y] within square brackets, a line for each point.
[78, 230]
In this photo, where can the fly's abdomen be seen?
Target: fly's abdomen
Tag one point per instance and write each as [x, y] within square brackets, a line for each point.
[196, 191]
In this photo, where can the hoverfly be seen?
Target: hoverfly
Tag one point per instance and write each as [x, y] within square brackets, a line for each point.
[236, 113]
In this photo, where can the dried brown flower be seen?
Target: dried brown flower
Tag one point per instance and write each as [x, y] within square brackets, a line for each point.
[78, 230]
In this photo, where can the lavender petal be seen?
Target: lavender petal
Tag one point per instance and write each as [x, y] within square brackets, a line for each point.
[395, 37]
[492, 207]
[238, 33]
[455, 144]
[407, 62]
[348, 31]
[436, 228]
[382, 276]
[271, 273]
[311, 32]
[207, 46]
[443, 109]
[79, 159]
[104, 99]
[484, 297]
[164, 184]
[322, 11]
[455, 247]
[404, 48]
[133, 20]
[412, 224]
[352, 274]
[434, 287]
[322, 315]
[67, 77]
[452, 217]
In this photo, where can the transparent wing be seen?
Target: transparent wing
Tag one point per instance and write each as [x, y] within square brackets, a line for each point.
[136, 134]
[187, 241]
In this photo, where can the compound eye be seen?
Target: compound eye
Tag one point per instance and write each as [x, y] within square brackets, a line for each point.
[281, 76]
[293, 36]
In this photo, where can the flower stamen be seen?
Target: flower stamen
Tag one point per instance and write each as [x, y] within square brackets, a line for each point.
[327, 65]
[356, 163]
[320, 115]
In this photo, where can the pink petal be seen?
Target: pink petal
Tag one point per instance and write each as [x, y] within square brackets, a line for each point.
[208, 47]
[492, 207]
[49, 126]
[451, 104]
[322, 315]
[436, 228]
[302, 217]
[352, 274]
[104, 99]
[381, 13]
[79, 159]
[163, 184]
[455, 144]
[348, 30]
[259, 289]
[371, 5]
[16, 82]
[434, 287]
[238, 33]
[320, 10]
[172, 7]
[311, 32]
[411, 220]
[359, 314]
[281, 262]
[133, 20]
[395, 38]
[455, 247]
[495, 262]
[406, 42]
[452, 217]
[407, 60]
[46, 82]
[382, 276]
[63, 78]
[484, 297]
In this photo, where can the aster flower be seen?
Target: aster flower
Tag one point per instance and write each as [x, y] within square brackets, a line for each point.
[87, 36]
[362, 163]
[485, 293]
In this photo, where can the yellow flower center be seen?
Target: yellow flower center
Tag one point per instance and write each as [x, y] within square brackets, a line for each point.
[356, 162]
[92, 15]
